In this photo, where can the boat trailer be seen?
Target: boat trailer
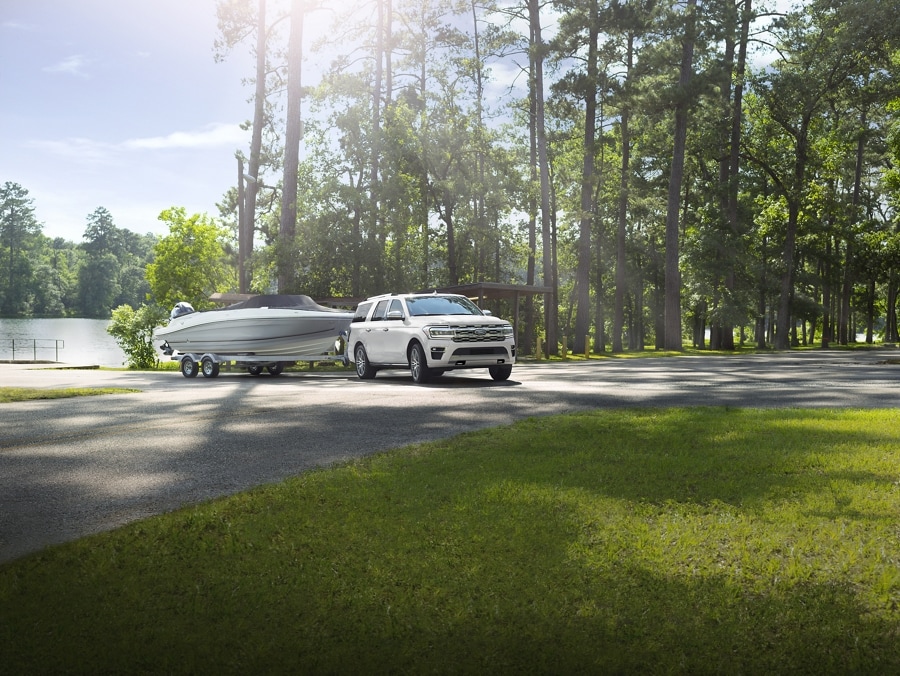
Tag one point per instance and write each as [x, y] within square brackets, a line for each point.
[209, 363]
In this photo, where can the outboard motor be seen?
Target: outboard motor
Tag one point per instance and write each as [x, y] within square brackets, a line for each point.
[181, 309]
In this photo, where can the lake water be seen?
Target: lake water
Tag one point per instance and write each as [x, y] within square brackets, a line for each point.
[71, 341]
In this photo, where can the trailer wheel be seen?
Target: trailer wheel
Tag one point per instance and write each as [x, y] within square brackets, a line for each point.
[254, 370]
[189, 367]
[276, 368]
[209, 367]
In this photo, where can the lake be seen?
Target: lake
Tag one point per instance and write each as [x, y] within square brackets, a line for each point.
[71, 341]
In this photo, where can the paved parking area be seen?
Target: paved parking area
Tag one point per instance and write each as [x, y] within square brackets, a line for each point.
[72, 467]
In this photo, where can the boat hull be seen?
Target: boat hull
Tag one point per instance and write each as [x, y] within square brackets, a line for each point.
[259, 331]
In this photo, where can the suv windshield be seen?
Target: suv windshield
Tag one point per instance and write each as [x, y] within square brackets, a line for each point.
[441, 305]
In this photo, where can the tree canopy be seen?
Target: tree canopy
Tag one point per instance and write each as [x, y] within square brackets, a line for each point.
[191, 262]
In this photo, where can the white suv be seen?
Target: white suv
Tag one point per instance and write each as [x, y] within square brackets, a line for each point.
[430, 334]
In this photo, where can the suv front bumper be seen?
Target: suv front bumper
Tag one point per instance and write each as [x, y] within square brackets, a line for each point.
[458, 356]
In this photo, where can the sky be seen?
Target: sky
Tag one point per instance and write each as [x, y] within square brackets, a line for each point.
[119, 104]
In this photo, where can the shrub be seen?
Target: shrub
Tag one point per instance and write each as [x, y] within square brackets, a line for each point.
[133, 331]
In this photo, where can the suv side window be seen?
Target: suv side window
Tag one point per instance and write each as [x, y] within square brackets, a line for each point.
[380, 311]
[361, 311]
[396, 306]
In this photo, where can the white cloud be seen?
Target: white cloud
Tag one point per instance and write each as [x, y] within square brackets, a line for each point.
[71, 65]
[83, 149]
[212, 136]
[89, 151]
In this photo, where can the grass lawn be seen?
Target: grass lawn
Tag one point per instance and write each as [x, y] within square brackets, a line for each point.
[645, 541]
[10, 394]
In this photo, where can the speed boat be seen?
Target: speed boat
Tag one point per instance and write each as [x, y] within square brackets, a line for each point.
[277, 325]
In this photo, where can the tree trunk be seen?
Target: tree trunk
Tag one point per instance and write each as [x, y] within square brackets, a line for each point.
[447, 217]
[480, 208]
[259, 119]
[528, 336]
[846, 291]
[599, 313]
[870, 313]
[783, 330]
[844, 334]
[537, 66]
[890, 329]
[673, 274]
[293, 131]
[761, 307]
[424, 187]
[583, 270]
[621, 270]
[375, 233]
[782, 333]
[732, 168]
[826, 296]
[243, 257]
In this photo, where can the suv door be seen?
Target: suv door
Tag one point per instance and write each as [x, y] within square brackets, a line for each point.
[395, 333]
[374, 334]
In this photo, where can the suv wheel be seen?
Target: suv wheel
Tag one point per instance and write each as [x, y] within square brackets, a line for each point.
[363, 368]
[499, 373]
[418, 367]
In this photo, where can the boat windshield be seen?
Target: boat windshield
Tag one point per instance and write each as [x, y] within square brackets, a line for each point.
[422, 306]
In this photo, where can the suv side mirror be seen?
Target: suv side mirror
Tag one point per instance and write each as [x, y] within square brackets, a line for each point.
[395, 315]
[486, 313]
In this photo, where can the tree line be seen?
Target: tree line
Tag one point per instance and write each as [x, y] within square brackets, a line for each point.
[671, 170]
[53, 277]
[111, 267]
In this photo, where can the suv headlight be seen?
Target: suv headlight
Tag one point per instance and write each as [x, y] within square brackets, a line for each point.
[439, 331]
[507, 330]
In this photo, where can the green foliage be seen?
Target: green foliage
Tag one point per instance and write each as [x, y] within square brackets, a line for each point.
[190, 263]
[19, 237]
[98, 281]
[43, 277]
[654, 541]
[133, 331]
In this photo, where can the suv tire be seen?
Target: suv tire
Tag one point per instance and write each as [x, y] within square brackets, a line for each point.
[500, 373]
[418, 366]
[363, 368]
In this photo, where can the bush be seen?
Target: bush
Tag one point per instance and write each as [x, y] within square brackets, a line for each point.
[133, 331]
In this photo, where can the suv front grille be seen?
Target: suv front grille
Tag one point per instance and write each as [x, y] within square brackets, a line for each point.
[477, 334]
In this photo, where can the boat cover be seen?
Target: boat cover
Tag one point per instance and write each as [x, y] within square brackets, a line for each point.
[281, 300]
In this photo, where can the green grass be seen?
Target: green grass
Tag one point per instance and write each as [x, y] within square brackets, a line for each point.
[689, 350]
[645, 541]
[11, 394]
